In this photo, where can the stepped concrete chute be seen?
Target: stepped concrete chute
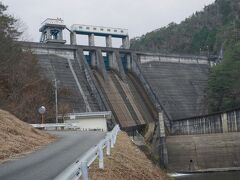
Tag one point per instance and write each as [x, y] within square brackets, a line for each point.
[120, 68]
[122, 101]
[100, 64]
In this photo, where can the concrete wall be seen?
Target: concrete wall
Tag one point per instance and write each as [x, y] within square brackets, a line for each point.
[65, 53]
[210, 141]
[216, 123]
[206, 152]
[148, 57]
[90, 124]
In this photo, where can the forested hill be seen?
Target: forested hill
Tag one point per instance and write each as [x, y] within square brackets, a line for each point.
[204, 32]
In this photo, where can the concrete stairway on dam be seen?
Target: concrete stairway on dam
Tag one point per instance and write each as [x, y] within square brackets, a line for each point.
[54, 66]
[125, 102]
[206, 151]
[79, 70]
[180, 87]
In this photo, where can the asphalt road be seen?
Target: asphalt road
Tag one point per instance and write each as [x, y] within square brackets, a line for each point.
[47, 162]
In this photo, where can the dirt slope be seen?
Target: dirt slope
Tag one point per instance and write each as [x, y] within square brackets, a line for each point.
[126, 162]
[18, 137]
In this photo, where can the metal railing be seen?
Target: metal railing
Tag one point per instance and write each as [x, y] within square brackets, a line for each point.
[220, 122]
[54, 125]
[104, 114]
[80, 167]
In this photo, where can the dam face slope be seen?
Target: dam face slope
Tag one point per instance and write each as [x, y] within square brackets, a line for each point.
[180, 87]
[71, 77]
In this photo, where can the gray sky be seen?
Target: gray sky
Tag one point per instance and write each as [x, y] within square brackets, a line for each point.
[138, 16]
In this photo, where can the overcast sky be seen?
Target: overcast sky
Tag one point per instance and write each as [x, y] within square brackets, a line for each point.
[138, 16]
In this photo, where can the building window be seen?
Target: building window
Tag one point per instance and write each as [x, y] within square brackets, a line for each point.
[121, 31]
[80, 27]
[108, 30]
[87, 28]
[101, 29]
[115, 30]
[94, 28]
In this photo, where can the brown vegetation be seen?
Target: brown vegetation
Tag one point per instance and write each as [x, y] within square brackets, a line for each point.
[127, 162]
[17, 137]
[23, 88]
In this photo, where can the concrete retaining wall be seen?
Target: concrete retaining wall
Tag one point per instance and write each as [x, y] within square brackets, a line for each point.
[203, 152]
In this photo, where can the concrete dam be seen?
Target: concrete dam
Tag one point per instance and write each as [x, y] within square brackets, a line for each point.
[96, 84]
[161, 95]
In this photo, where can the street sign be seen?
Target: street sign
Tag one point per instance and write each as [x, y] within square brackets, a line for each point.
[42, 110]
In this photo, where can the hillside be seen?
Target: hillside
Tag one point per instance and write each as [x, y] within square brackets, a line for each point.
[204, 32]
[126, 162]
[17, 137]
[213, 31]
[224, 81]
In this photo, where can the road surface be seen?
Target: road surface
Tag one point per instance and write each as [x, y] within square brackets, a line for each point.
[48, 162]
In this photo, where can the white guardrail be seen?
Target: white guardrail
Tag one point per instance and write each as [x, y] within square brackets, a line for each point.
[54, 125]
[80, 167]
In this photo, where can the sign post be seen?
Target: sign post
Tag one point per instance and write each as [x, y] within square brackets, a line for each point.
[41, 111]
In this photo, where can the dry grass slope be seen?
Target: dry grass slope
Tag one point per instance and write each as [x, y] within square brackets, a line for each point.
[126, 162]
[17, 137]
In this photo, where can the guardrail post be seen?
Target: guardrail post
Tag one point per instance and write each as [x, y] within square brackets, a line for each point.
[108, 147]
[84, 169]
[100, 157]
[115, 136]
[112, 141]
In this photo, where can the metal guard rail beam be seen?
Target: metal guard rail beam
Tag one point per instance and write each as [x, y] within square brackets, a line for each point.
[54, 125]
[80, 166]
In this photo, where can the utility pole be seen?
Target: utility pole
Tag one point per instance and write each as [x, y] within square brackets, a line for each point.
[56, 98]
